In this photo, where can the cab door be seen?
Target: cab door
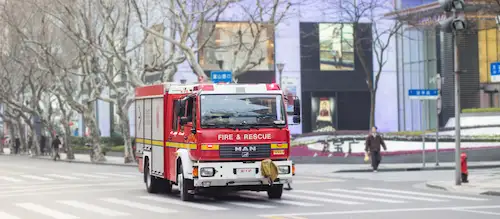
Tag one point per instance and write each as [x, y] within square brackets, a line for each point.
[190, 122]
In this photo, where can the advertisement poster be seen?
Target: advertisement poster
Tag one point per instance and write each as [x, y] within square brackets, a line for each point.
[289, 86]
[336, 42]
[323, 114]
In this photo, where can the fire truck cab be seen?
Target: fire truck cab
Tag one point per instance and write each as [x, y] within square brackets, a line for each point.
[212, 136]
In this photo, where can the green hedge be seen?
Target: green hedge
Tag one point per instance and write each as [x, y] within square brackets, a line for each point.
[481, 110]
[107, 141]
[411, 133]
[118, 148]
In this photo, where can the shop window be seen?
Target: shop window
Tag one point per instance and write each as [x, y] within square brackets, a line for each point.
[488, 50]
[222, 39]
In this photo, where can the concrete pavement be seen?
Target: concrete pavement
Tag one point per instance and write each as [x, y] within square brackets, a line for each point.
[37, 189]
[486, 182]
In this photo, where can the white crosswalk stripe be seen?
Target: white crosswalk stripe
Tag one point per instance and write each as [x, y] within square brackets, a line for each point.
[349, 196]
[4, 215]
[249, 205]
[426, 194]
[33, 177]
[318, 199]
[93, 208]
[90, 175]
[141, 206]
[62, 176]
[10, 179]
[281, 201]
[179, 202]
[117, 175]
[46, 211]
[379, 194]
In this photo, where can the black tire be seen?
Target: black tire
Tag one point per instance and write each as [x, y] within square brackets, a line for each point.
[184, 186]
[166, 186]
[152, 183]
[275, 191]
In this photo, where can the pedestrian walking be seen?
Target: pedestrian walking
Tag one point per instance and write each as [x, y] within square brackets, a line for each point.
[17, 145]
[56, 143]
[42, 144]
[372, 147]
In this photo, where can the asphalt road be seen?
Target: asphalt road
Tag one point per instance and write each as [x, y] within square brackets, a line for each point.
[39, 189]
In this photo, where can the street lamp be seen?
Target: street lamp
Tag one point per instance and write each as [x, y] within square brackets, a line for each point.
[453, 25]
[280, 67]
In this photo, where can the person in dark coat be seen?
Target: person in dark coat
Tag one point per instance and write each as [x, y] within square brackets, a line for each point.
[42, 144]
[372, 146]
[56, 144]
[17, 145]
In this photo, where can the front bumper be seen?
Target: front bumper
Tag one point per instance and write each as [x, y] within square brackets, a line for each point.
[229, 174]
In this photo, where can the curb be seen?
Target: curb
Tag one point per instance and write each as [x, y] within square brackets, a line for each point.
[429, 185]
[490, 193]
[414, 169]
[84, 162]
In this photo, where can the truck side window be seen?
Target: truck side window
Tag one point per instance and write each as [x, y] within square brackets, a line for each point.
[189, 108]
[175, 119]
[193, 112]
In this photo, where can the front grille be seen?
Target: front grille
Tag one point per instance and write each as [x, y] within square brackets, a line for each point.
[245, 151]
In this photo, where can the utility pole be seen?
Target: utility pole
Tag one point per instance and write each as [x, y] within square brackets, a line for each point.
[454, 24]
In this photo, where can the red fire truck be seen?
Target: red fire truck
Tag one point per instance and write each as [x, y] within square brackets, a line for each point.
[212, 136]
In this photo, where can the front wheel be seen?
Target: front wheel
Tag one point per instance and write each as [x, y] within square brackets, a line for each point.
[184, 186]
[275, 191]
[152, 185]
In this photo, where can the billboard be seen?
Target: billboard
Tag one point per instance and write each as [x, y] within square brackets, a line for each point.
[336, 42]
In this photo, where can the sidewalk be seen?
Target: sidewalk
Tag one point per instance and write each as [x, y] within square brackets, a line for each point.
[480, 183]
[84, 158]
[329, 169]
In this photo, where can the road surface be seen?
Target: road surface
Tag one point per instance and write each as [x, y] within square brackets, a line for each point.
[40, 189]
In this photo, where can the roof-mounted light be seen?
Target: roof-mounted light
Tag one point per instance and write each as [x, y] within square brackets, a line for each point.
[272, 86]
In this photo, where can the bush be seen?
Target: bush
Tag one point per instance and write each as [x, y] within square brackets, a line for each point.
[481, 110]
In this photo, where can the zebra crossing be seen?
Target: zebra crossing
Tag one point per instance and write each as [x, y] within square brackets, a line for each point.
[141, 204]
[50, 177]
[58, 177]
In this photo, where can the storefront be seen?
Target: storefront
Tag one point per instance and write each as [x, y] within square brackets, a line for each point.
[424, 51]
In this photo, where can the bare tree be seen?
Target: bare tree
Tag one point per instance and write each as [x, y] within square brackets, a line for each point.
[367, 16]
[194, 25]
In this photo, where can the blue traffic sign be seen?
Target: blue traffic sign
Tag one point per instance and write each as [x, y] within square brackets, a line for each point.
[221, 76]
[423, 94]
[495, 71]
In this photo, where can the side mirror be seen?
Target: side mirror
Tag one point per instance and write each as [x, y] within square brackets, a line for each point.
[296, 119]
[184, 120]
[296, 107]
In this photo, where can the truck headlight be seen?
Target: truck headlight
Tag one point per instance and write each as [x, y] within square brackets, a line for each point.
[284, 169]
[207, 171]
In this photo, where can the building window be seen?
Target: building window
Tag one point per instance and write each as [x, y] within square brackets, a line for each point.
[489, 48]
[232, 42]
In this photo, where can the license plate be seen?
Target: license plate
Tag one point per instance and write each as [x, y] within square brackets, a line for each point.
[245, 171]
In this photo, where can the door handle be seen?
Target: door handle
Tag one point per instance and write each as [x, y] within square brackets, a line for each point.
[169, 138]
[185, 137]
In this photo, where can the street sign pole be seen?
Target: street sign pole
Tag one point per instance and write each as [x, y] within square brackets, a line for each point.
[422, 124]
[438, 111]
[423, 94]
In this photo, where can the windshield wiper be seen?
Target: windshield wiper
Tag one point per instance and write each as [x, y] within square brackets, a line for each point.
[213, 125]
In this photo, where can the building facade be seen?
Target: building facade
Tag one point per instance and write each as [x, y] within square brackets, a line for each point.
[319, 67]
[425, 51]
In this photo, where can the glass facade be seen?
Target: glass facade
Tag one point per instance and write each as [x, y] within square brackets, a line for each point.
[418, 66]
[488, 51]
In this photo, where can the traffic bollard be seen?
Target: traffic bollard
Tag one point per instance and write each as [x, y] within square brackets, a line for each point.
[464, 169]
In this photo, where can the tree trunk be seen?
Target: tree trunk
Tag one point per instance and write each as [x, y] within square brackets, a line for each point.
[125, 129]
[372, 108]
[36, 145]
[67, 136]
[91, 122]
[13, 133]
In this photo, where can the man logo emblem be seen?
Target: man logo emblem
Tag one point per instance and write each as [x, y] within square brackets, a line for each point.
[245, 154]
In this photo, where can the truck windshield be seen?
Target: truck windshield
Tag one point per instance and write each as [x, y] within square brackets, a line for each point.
[235, 110]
